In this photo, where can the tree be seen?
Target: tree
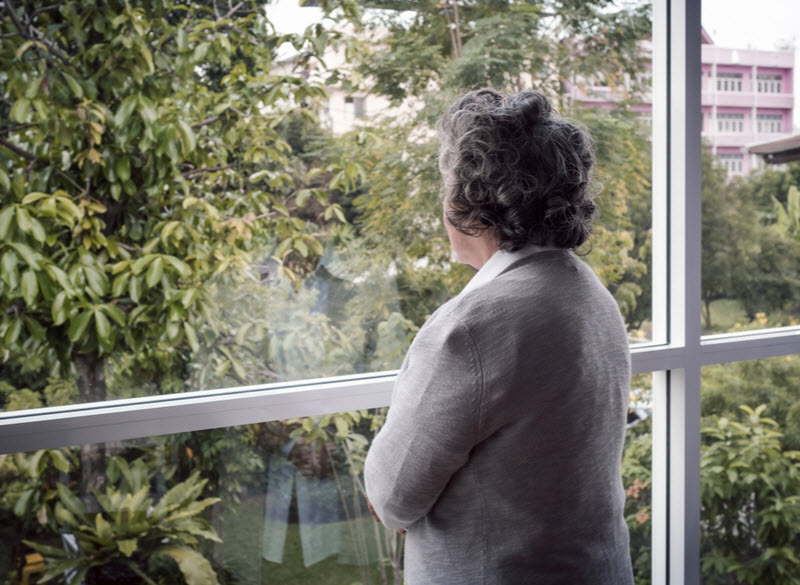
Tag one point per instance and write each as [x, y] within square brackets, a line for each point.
[141, 174]
[750, 494]
[745, 255]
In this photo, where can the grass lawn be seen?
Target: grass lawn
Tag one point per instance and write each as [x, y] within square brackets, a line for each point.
[241, 554]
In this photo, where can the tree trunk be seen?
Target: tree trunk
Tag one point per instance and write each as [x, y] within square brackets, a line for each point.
[707, 314]
[91, 382]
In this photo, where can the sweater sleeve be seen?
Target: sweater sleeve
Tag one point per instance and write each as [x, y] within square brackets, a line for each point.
[432, 424]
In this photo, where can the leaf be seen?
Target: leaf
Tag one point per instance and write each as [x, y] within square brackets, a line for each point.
[103, 529]
[115, 313]
[128, 546]
[71, 501]
[73, 84]
[155, 271]
[102, 325]
[123, 168]
[194, 566]
[33, 259]
[20, 111]
[58, 309]
[257, 176]
[5, 221]
[125, 110]
[78, 325]
[5, 183]
[191, 336]
[50, 551]
[30, 288]
[8, 266]
[188, 138]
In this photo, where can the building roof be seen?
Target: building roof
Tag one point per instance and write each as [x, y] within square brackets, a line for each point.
[778, 151]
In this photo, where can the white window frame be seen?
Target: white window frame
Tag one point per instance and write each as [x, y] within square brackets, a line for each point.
[729, 81]
[769, 83]
[769, 123]
[675, 359]
[730, 123]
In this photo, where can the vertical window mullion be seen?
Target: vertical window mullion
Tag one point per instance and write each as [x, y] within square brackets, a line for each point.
[683, 412]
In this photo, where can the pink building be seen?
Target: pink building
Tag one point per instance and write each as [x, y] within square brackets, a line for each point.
[747, 98]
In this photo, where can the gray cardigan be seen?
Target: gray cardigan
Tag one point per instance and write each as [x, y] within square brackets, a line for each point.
[501, 450]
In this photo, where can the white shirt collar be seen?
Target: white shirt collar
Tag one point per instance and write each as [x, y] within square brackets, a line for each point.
[499, 261]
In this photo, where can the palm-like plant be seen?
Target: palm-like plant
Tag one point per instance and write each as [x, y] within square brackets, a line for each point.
[131, 529]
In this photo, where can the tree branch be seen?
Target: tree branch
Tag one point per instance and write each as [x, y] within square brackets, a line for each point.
[51, 46]
[37, 160]
[230, 12]
[17, 128]
[20, 152]
[188, 174]
[207, 121]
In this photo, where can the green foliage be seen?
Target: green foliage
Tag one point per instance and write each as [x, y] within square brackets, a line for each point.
[750, 491]
[746, 255]
[29, 487]
[142, 169]
[131, 527]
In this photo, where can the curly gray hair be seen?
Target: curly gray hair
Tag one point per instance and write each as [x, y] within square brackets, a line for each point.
[512, 164]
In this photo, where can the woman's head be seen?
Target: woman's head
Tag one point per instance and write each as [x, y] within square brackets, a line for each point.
[512, 165]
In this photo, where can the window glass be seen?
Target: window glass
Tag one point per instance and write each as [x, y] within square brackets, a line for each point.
[277, 502]
[750, 237]
[749, 470]
[230, 206]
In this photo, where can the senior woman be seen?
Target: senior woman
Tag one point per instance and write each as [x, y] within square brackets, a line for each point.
[501, 451]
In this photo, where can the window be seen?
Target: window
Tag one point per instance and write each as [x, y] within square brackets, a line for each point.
[730, 123]
[769, 123]
[731, 162]
[676, 358]
[729, 82]
[769, 83]
[356, 106]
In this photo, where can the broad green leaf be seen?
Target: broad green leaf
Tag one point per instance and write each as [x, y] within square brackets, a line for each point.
[188, 138]
[125, 110]
[5, 182]
[58, 309]
[155, 271]
[32, 258]
[23, 219]
[8, 264]
[191, 336]
[30, 288]
[123, 168]
[115, 313]
[103, 528]
[5, 221]
[128, 546]
[78, 325]
[73, 84]
[37, 331]
[102, 325]
[71, 501]
[21, 111]
[97, 281]
[195, 568]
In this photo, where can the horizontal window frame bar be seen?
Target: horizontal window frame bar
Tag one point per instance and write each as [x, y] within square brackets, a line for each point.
[133, 418]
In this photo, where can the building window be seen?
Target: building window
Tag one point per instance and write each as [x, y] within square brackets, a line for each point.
[356, 106]
[729, 82]
[731, 162]
[769, 83]
[769, 123]
[730, 123]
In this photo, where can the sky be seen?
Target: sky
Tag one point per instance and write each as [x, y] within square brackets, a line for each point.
[757, 24]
